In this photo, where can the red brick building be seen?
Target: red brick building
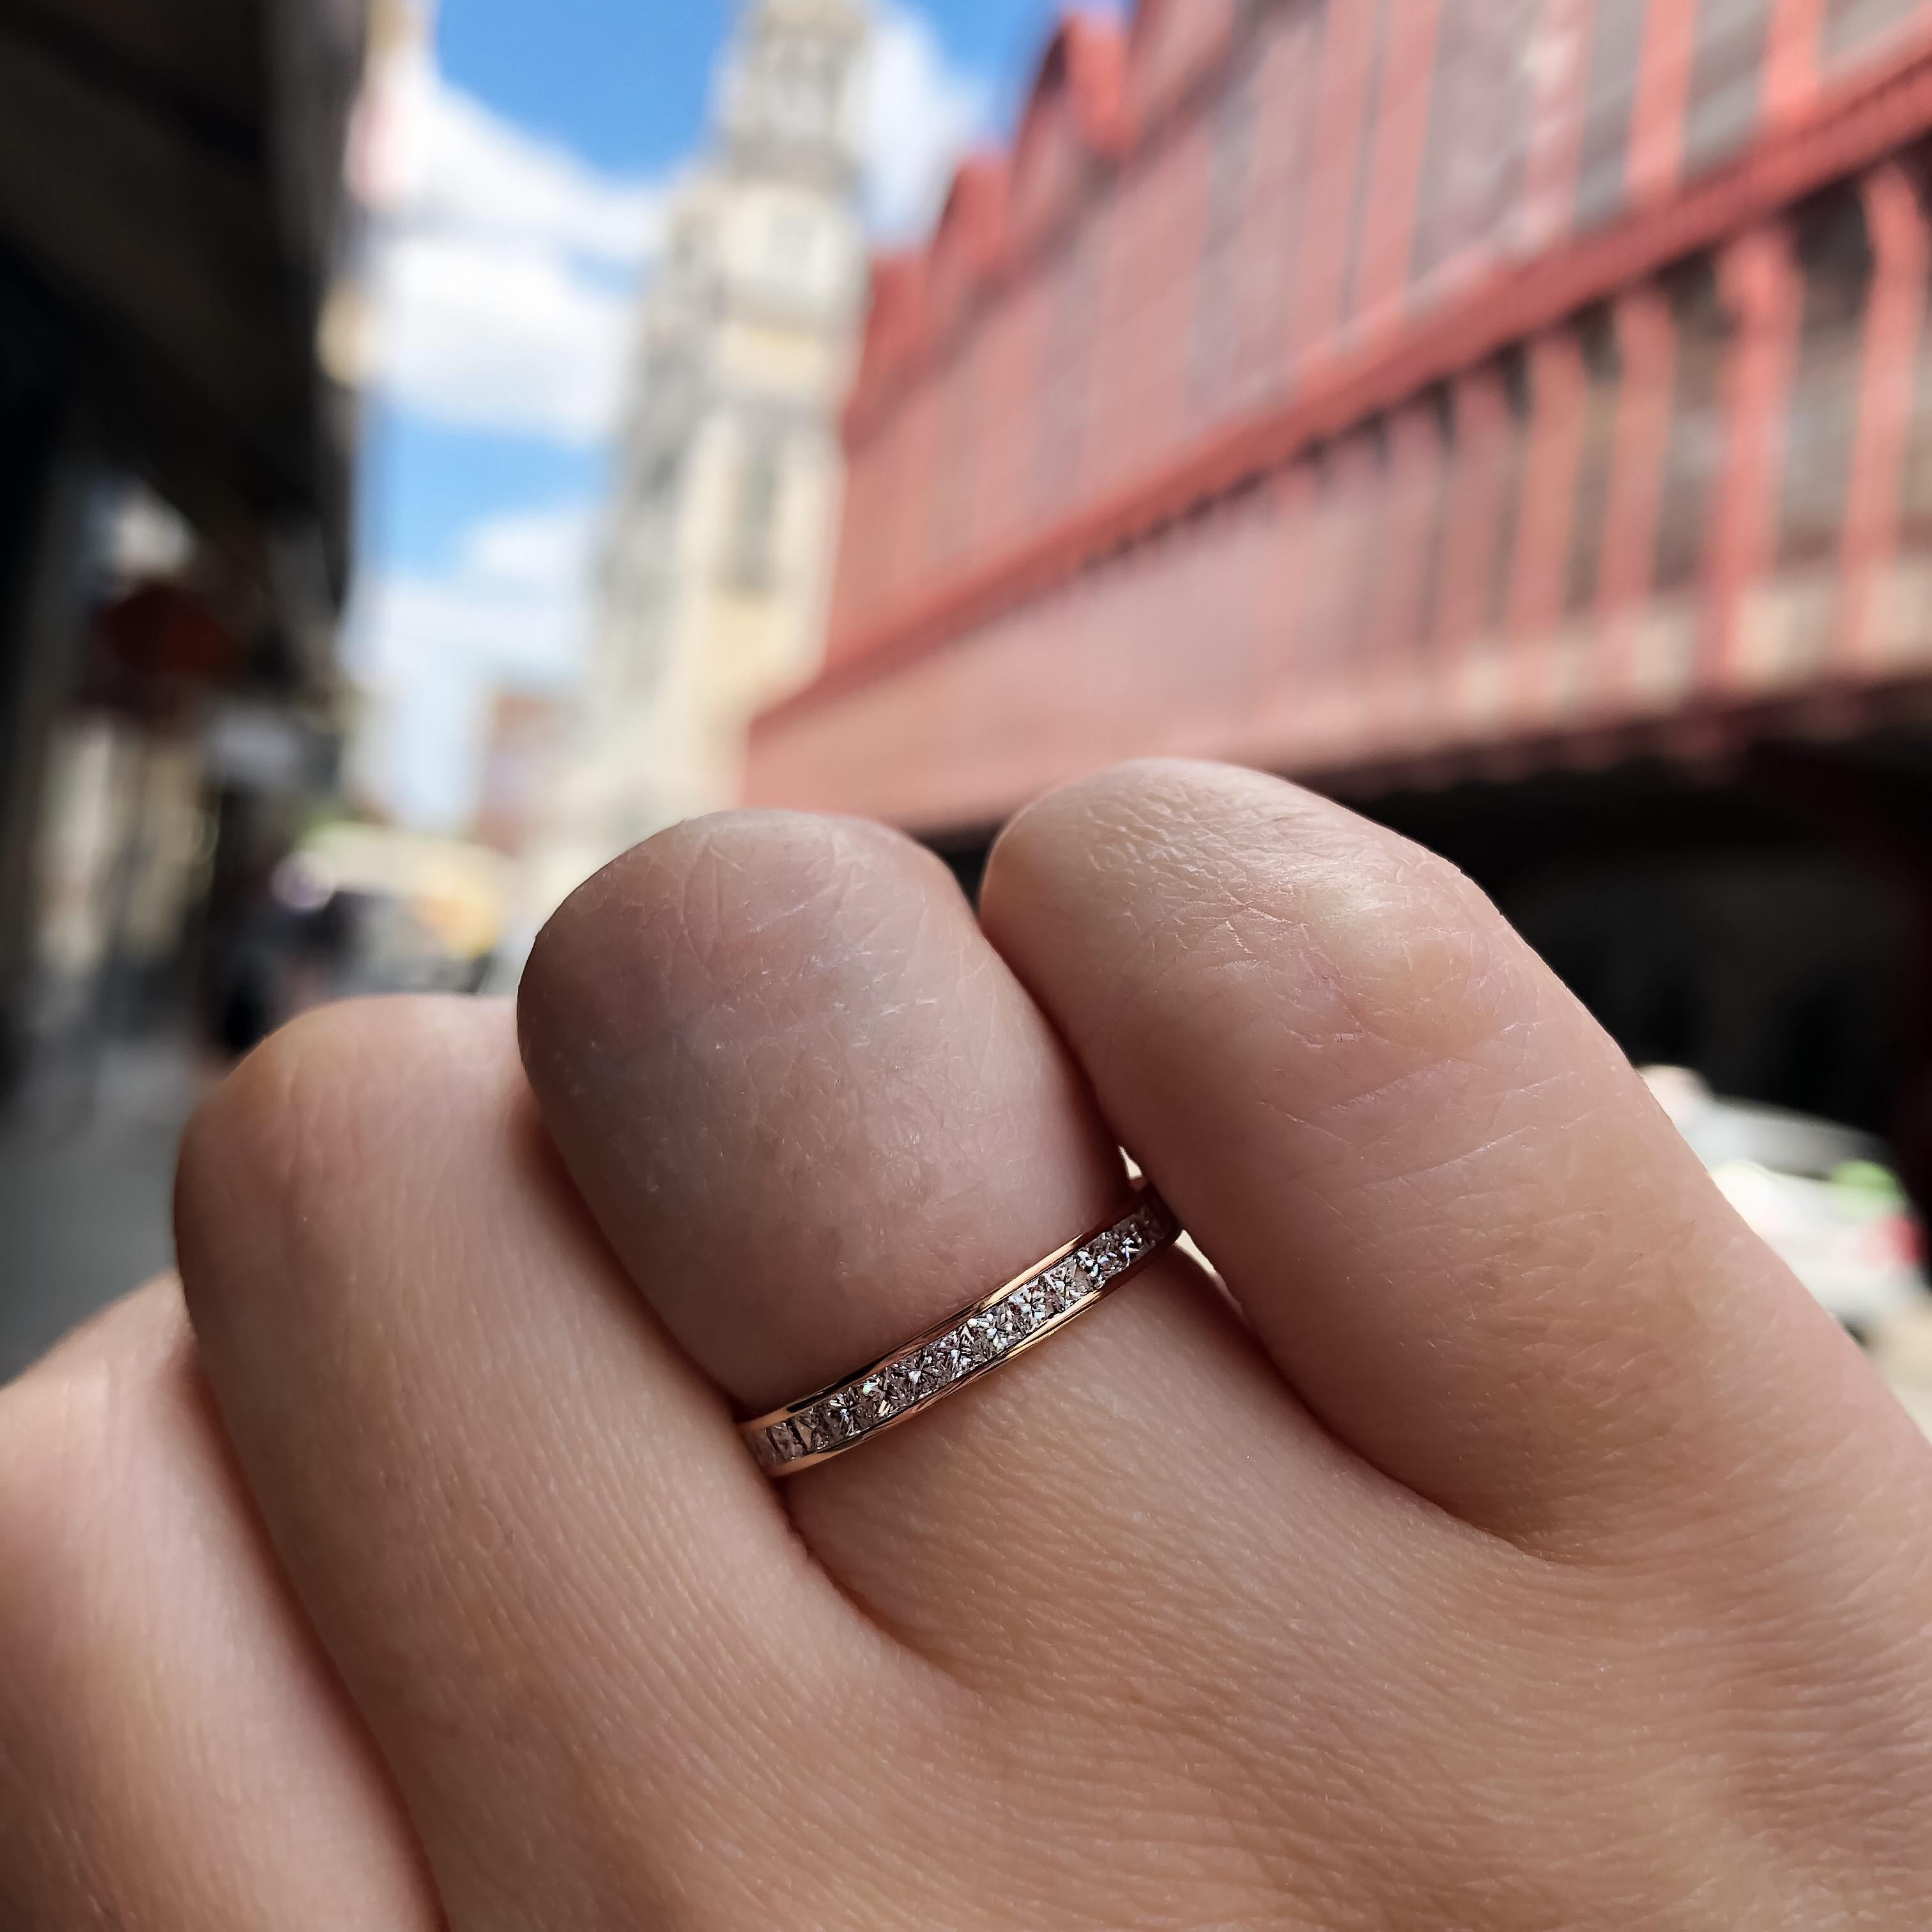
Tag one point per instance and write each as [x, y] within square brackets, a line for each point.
[1514, 415]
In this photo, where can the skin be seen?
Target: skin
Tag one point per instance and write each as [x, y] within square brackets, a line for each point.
[1511, 1544]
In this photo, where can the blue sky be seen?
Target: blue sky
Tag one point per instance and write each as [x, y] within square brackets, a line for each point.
[623, 82]
[509, 247]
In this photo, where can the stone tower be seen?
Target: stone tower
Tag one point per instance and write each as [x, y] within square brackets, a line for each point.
[713, 577]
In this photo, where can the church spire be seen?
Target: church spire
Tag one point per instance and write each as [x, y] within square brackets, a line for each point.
[788, 111]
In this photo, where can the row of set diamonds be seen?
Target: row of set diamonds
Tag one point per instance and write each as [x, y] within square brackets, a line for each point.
[884, 1393]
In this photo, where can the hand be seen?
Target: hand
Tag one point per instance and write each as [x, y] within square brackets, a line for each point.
[1513, 1546]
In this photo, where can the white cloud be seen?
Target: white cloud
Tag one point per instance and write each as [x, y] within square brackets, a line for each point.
[428, 650]
[503, 270]
[547, 550]
[919, 114]
[503, 265]
[476, 334]
[460, 166]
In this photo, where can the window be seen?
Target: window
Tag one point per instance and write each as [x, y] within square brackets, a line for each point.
[1430, 572]
[1835, 261]
[790, 252]
[957, 387]
[1061, 417]
[1410, 543]
[1350, 479]
[1603, 376]
[1726, 75]
[1694, 451]
[1217, 283]
[1849, 24]
[1609, 93]
[1478, 129]
[800, 93]
[657, 476]
[1365, 152]
[1511, 461]
[1285, 54]
[788, 241]
[754, 515]
[1915, 494]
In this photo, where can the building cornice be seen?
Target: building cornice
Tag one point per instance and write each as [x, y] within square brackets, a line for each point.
[1849, 126]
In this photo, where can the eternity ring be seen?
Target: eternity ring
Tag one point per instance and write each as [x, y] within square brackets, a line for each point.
[948, 1356]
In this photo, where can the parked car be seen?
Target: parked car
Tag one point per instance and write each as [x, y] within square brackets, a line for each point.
[1823, 1195]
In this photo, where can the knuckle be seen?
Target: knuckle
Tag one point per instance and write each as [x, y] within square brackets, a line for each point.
[70, 1430]
[278, 1158]
[53, 1442]
[250, 1147]
[1247, 885]
[706, 915]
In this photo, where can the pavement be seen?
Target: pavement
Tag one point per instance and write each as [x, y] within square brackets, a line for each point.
[86, 1170]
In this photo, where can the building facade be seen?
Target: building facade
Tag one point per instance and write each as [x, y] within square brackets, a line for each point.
[1515, 416]
[173, 224]
[712, 586]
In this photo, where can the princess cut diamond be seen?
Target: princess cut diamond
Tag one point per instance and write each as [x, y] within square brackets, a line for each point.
[877, 1399]
[1063, 1284]
[983, 1333]
[1010, 1323]
[1101, 1258]
[827, 1423]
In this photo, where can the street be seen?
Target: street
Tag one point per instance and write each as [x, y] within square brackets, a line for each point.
[86, 1175]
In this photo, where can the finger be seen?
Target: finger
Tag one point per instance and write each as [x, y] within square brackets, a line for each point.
[521, 1524]
[1454, 1215]
[175, 1752]
[814, 1115]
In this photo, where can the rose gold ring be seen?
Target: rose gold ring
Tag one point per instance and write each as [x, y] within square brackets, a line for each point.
[964, 1346]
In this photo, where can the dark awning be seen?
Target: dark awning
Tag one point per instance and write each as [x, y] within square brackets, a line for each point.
[171, 196]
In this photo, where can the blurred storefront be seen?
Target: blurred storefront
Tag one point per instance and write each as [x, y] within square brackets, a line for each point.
[1512, 416]
[174, 489]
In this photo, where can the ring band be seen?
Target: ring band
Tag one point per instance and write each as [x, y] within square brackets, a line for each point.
[946, 1357]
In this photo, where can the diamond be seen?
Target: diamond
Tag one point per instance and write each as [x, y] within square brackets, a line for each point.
[1063, 1286]
[1014, 1323]
[886, 1393]
[1156, 1219]
[878, 1398]
[995, 1327]
[837, 1420]
[1101, 1257]
[1031, 1305]
[978, 1341]
[786, 1447]
[963, 1350]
